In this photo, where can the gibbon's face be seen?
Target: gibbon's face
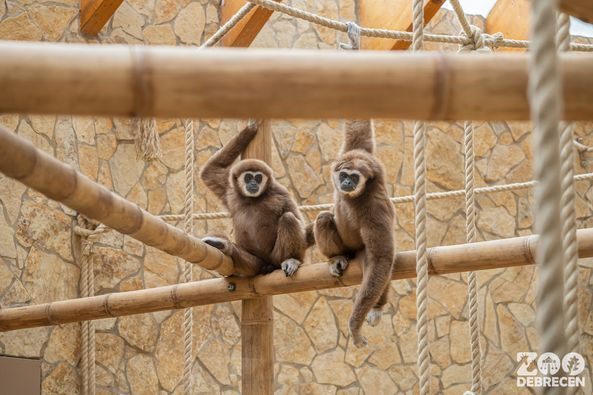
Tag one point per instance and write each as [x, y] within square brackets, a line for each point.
[252, 183]
[349, 182]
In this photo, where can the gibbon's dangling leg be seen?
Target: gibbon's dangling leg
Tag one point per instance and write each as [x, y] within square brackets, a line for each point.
[374, 316]
[291, 242]
[378, 264]
[330, 243]
[246, 264]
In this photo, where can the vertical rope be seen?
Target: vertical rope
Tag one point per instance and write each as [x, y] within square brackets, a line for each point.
[187, 272]
[87, 288]
[568, 212]
[546, 105]
[420, 224]
[472, 283]
[148, 146]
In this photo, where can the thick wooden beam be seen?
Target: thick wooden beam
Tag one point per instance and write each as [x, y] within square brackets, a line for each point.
[246, 30]
[582, 9]
[393, 15]
[112, 80]
[94, 14]
[20, 160]
[484, 255]
[257, 314]
[511, 18]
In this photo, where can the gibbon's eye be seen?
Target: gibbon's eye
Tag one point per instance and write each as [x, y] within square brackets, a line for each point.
[354, 178]
[258, 178]
[343, 176]
[248, 177]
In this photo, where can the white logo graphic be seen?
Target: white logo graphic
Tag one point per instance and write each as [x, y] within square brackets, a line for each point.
[544, 372]
[573, 364]
[548, 363]
[526, 364]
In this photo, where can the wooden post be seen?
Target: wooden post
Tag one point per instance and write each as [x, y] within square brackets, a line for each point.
[257, 315]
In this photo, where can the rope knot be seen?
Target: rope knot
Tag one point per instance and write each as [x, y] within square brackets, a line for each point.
[354, 36]
[476, 41]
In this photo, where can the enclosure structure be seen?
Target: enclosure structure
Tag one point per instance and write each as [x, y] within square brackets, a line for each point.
[135, 70]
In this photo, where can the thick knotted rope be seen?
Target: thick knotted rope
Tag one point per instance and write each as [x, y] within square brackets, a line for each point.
[148, 146]
[188, 225]
[546, 106]
[568, 212]
[423, 362]
[86, 230]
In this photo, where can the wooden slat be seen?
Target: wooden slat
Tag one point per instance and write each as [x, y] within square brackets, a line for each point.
[243, 34]
[511, 18]
[394, 15]
[582, 9]
[147, 81]
[485, 255]
[94, 14]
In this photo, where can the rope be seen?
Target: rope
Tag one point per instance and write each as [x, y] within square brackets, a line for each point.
[470, 208]
[84, 229]
[394, 200]
[423, 362]
[546, 103]
[231, 23]
[148, 146]
[568, 212]
[187, 272]
[494, 41]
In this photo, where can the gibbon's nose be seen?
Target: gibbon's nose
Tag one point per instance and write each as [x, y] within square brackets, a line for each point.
[252, 186]
[348, 185]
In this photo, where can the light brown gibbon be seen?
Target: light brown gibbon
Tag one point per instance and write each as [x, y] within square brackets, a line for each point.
[362, 220]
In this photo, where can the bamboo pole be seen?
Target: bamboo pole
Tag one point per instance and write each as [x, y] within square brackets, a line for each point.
[442, 260]
[20, 160]
[257, 314]
[115, 80]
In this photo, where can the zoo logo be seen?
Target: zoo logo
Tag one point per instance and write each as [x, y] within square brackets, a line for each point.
[549, 364]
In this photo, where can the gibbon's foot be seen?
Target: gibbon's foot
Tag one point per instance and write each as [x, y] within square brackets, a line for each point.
[219, 243]
[290, 266]
[337, 265]
[359, 340]
[267, 268]
[374, 316]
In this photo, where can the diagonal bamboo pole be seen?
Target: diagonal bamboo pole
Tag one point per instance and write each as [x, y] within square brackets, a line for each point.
[484, 255]
[20, 160]
[116, 80]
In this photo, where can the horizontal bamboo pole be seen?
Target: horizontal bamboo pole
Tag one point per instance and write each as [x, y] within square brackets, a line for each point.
[442, 260]
[20, 160]
[114, 80]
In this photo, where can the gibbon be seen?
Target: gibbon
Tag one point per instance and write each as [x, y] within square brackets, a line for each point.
[362, 219]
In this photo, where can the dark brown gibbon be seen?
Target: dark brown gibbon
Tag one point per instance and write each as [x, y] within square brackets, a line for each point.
[268, 228]
[362, 219]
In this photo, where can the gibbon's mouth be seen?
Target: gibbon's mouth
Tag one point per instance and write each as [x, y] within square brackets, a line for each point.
[348, 188]
[252, 188]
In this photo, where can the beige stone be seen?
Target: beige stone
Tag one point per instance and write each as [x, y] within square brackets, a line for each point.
[139, 330]
[215, 355]
[512, 337]
[63, 379]
[43, 124]
[305, 179]
[445, 167]
[504, 158]
[225, 324]
[173, 148]
[38, 140]
[460, 347]
[52, 19]
[89, 162]
[375, 381]
[63, 344]
[291, 342]
[128, 20]
[330, 368]
[24, 343]
[109, 351]
[84, 128]
[169, 363]
[106, 146]
[159, 35]
[159, 268]
[288, 374]
[496, 365]
[321, 326]
[19, 27]
[176, 191]
[7, 246]
[404, 376]
[111, 266]
[48, 277]
[523, 313]
[450, 294]
[142, 375]
[125, 168]
[189, 24]
[496, 221]
[456, 374]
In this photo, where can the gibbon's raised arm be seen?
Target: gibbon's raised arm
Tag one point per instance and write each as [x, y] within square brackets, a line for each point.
[359, 134]
[216, 171]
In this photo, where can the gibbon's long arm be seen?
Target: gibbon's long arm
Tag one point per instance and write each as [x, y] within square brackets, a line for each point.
[215, 172]
[359, 134]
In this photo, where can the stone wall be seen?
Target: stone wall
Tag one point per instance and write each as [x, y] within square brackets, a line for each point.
[143, 353]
